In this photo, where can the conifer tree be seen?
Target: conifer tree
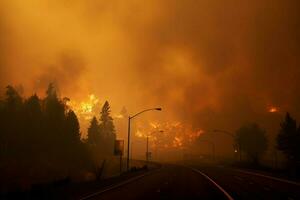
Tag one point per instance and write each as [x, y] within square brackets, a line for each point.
[107, 129]
[93, 132]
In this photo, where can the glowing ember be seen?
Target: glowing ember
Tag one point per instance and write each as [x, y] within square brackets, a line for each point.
[273, 109]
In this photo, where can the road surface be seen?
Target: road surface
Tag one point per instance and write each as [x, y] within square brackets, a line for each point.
[169, 182]
[246, 185]
[200, 182]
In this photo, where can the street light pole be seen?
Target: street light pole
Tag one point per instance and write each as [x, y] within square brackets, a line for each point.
[128, 141]
[147, 153]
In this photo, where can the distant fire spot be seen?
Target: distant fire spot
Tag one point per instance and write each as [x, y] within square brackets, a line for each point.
[273, 109]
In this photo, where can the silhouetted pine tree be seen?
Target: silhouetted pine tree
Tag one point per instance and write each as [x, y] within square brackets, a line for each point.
[54, 121]
[13, 124]
[2, 133]
[33, 129]
[13, 100]
[93, 132]
[107, 129]
[288, 141]
[72, 128]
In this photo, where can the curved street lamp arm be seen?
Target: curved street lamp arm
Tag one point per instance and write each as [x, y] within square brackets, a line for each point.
[223, 131]
[159, 109]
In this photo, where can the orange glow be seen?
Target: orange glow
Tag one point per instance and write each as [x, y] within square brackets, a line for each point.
[273, 109]
[118, 116]
[177, 142]
[140, 134]
[204, 71]
[170, 135]
[154, 125]
[84, 109]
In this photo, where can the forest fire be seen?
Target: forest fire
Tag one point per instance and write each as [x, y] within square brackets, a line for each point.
[84, 109]
[169, 135]
[220, 80]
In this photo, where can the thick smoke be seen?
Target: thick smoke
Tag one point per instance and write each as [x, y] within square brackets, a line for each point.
[211, 64]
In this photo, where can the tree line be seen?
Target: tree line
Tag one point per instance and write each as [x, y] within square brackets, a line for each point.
[288, 141]
[252, 140]
[40, 138]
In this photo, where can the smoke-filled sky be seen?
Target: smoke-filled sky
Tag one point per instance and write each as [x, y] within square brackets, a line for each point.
[209, 64]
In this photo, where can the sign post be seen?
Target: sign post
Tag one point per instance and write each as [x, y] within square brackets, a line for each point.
[119, 149]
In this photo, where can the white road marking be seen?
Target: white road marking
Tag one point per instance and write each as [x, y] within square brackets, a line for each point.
[116, 186]
[212, 181]
[269, 177]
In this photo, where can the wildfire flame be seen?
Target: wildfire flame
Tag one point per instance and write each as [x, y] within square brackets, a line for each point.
[177, 142]
[154, 125]
[84, 109]
[273, 109]
[168, 135]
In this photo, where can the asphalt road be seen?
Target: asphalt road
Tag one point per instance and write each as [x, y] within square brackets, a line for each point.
[169, 182]
[246, 185]
[201, 182]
